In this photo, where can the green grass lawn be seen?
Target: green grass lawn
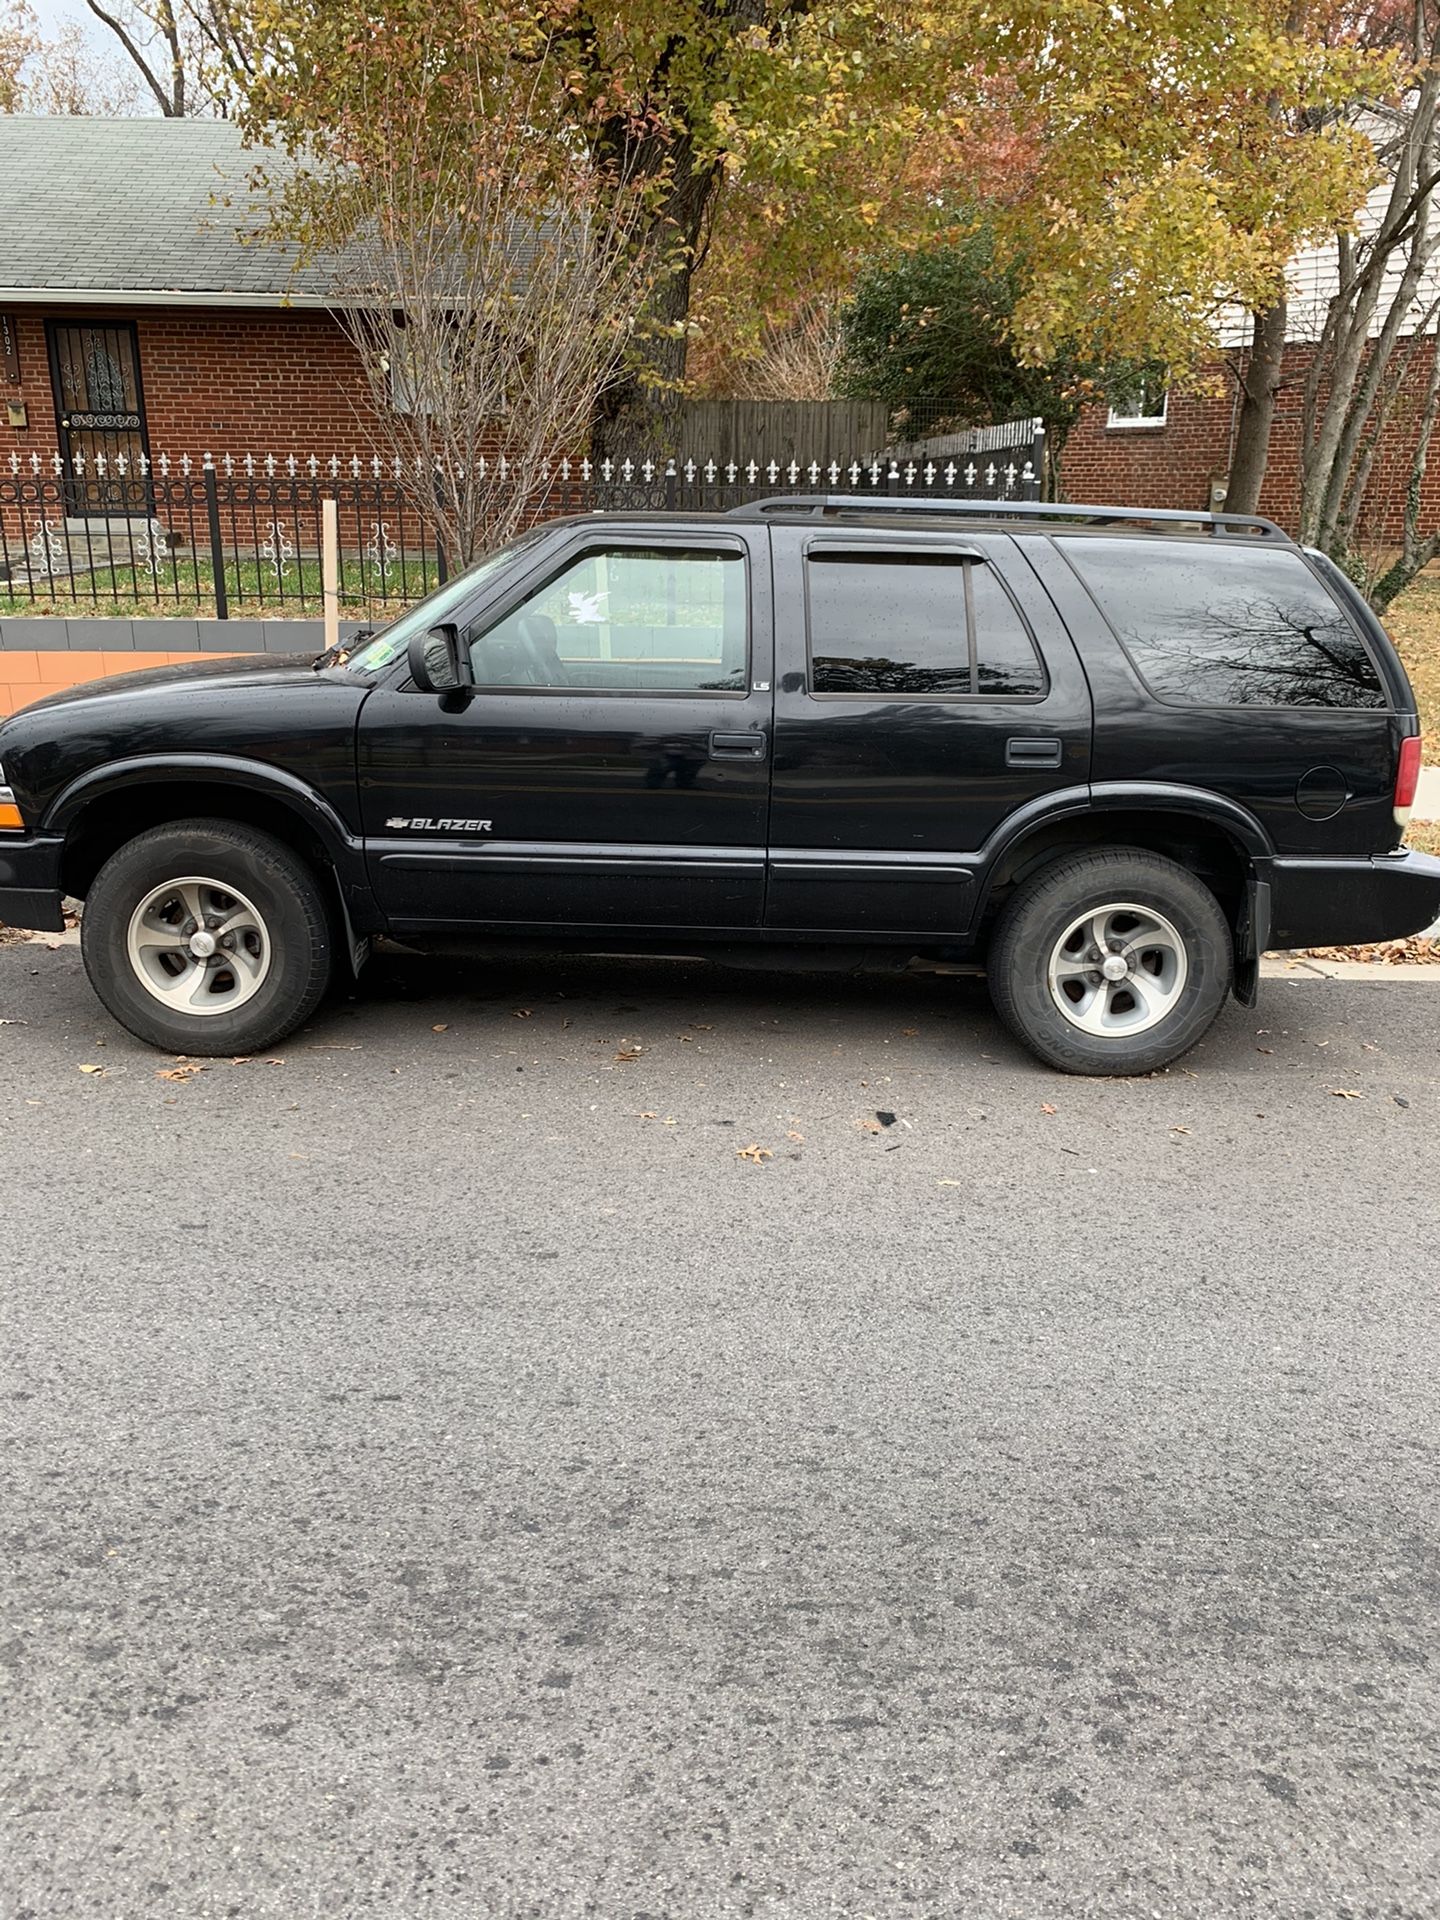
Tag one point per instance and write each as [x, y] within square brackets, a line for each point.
[186, 590]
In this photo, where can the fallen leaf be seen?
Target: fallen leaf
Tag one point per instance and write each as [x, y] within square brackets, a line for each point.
[442, 1026]
[242, 1060]
[1264, 1049]
[910, 1032]
[753, 1153]
[88, 1069]
[949, 1183]
[1399, 1099]
[798, 1138]
[523, 1013]
[1045, 1107]
[1346, 1093]
[14, 1023]
[177, 1073]
[885, 1118]
[629, 1053]
[649, 1116]
[1179, 1129]
[274, 1063]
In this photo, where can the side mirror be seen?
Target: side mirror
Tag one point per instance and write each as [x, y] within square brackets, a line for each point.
[438, 663]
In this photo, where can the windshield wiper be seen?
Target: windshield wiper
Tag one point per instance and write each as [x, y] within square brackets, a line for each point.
[337, 655]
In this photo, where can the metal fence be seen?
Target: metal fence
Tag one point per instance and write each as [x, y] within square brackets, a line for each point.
[241, 536]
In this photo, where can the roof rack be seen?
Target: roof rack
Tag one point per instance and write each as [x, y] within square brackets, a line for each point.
[817, 504]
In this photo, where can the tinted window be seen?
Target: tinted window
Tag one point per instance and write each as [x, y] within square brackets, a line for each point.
[1211, 625]
[898, 623]
[1005, 656]
[625, 619]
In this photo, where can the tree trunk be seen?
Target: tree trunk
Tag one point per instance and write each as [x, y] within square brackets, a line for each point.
[1260, 385]
[639, 415]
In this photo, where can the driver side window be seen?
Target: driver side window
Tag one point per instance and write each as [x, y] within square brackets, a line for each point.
[626, 620]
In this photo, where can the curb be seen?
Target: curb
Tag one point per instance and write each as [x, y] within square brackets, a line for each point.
[1299, 969]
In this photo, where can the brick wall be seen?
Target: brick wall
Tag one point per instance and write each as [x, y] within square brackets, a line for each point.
[1173, 465]
[222, 380]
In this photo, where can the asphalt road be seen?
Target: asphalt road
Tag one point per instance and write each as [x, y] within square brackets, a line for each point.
[446, 1477]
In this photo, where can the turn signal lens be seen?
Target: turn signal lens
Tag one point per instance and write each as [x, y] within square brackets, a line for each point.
[10, 820]
[1407, 778]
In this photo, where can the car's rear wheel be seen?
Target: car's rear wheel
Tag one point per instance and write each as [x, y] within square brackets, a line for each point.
[1113, 961]
[207, 938]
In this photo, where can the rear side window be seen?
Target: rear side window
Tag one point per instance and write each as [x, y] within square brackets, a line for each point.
[1209, 625]
[921, 625]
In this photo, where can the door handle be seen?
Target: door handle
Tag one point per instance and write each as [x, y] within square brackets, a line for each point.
[1032, 752]
[737, 746]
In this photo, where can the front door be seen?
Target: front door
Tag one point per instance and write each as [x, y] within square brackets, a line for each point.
[100, 414]
[927, 692]
[611, 768]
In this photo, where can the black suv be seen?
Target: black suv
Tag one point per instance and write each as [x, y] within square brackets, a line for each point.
[1111, 756]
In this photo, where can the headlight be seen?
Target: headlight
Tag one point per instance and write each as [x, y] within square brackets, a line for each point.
[10, 821]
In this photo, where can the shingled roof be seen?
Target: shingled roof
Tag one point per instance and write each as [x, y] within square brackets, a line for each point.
[140, 210]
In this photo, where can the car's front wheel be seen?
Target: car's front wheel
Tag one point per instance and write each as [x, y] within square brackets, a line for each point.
[1112, 961]
[207, 938]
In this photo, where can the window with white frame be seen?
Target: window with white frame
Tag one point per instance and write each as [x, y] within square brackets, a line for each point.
[1140, 401]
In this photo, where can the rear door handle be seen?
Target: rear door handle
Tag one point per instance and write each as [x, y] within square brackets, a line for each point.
[737, 746]
[1030, 752]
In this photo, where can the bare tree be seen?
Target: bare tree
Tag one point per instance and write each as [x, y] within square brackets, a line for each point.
[1371, 387]
[800, 361]
[189, 56]
[62, 74]
[494, 279]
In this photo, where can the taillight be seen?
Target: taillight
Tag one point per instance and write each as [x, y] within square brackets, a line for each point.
[1407, 778]
[10, 821]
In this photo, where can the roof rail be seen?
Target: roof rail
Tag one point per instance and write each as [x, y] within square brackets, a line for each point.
[817, 504]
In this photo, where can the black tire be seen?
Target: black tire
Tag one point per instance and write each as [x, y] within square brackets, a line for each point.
[1036, 920]
[295, 940]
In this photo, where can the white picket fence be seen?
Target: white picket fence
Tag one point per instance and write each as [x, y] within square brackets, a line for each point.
[1005, 472]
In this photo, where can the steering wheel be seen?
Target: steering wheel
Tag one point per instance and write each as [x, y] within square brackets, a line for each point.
[536, 635]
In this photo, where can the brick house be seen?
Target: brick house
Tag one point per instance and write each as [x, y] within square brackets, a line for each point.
[1153, 448]
[1173, 449]
[135, 318]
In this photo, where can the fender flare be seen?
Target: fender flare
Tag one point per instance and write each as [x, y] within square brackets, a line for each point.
[254, 776]
[1116, 796]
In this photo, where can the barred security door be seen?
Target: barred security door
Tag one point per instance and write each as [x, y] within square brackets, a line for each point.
[100, 413]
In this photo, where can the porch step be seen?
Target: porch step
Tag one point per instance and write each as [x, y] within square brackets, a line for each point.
[97, 540]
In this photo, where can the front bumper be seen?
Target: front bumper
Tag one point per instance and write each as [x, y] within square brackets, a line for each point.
[30, 882]
[1350, 902]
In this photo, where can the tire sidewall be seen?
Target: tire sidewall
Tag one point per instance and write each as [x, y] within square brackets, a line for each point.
[1042, 917]
[275, 884]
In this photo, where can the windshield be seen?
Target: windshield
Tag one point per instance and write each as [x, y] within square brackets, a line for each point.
[372, 656]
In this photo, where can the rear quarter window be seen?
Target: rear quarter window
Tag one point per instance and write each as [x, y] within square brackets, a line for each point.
[1213, 625]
